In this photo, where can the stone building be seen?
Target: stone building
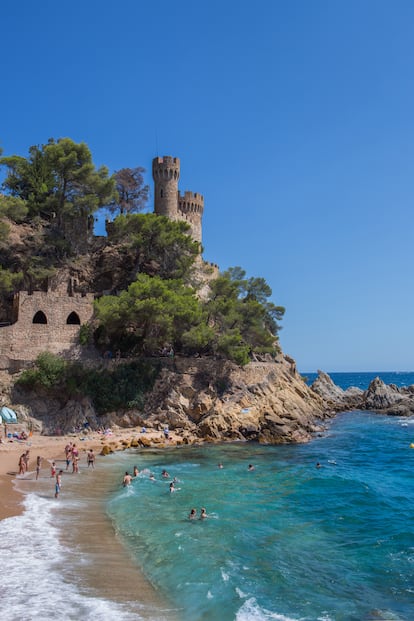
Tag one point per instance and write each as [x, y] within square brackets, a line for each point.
[168, 201]
[43, 321]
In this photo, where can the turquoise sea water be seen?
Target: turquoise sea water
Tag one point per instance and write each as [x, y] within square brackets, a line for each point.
[287, 540]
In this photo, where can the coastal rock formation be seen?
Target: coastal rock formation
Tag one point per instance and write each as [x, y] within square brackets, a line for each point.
[205, 399]
[201, 399]
[379, 397]
[336, 397]
[216, 400]
[389, 399]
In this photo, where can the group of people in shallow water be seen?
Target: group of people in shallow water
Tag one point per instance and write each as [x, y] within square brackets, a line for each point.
[193, 514]
[71, 456]
[127, 480]
[24, 464]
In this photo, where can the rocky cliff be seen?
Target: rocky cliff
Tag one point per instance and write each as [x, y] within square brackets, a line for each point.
[216, 400]
[205, 399]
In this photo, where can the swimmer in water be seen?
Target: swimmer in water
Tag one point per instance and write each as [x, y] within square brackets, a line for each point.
[203, 513]
[193, 514]
[172, 487]
[127, 479]
[165, 474]
[136, 471]
[251, 467]
[220, 466]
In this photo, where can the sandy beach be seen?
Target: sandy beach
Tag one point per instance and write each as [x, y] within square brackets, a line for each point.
[52, 448]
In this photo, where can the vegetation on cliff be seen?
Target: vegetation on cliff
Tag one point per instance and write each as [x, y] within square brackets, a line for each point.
[147, 274]
[109, 388]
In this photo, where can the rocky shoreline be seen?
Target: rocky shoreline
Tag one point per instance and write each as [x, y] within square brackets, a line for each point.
[379, 397]
[209, 400]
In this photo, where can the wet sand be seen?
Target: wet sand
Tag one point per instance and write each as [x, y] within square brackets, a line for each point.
[97, 561]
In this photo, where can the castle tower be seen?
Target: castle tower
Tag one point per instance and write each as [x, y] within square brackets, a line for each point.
[166, 172]
[169, 202]
[190, 209]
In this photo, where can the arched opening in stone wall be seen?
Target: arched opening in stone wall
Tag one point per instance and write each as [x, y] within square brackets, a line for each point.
[73, 319]
[39, 317]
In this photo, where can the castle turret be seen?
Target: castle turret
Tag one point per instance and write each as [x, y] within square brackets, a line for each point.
[169, 202]
[166, 172]
[190, 208]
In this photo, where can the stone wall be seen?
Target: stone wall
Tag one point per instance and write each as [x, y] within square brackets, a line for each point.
[45, 321]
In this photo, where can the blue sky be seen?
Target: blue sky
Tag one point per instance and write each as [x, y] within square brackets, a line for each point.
[294, 119]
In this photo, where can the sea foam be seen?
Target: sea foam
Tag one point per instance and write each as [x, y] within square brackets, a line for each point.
[33, 584]
[251, 611]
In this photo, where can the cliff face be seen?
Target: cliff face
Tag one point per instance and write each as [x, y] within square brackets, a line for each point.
[202, 399]
[216, 400]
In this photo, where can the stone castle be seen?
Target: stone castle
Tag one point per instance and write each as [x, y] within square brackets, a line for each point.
[169, 202]
[51, 320]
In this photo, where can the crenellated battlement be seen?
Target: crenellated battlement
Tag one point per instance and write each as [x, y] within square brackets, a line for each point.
[191, 202]
[168, 201]
[166, 167]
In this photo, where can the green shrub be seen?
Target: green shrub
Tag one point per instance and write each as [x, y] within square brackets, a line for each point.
[49, 372]
[85, 334]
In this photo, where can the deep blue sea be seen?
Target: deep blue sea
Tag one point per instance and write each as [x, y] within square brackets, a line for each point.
[363, 379]
[285, 541]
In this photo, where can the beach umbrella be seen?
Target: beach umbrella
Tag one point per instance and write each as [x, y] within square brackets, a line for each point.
[8, 415]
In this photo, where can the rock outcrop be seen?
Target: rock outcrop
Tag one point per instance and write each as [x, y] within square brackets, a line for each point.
[217, 400]
[334, 396]
[204, 399]
[389, 399]
[379, 397]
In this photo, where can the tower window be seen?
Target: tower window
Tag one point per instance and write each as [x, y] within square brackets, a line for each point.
[73, 319]
[162, 193]
[39, 317]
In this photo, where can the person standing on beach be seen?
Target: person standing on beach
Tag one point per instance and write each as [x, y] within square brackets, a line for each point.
[58, 484]
[75, 464]
[91, 458]
[26, 458]
[22, 464]
[68, 454]
[38, 466]
[53, 469]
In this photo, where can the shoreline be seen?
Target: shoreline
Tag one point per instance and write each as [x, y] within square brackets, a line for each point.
[51, 448]
[86, 531]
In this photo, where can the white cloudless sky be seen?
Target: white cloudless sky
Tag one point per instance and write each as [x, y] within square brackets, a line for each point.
[294, 120]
